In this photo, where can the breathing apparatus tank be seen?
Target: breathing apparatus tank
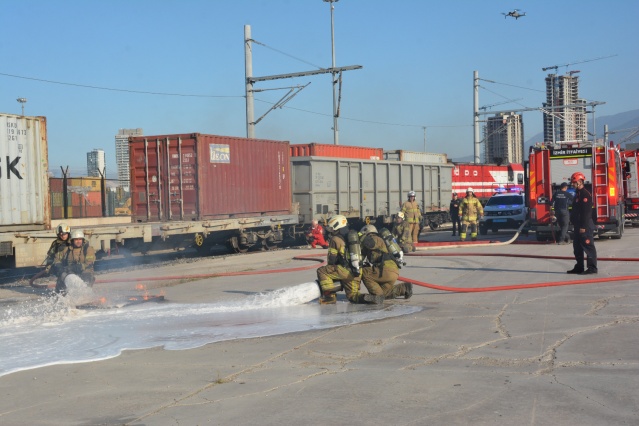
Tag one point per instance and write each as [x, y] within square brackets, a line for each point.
[354, 251]
[392, 246]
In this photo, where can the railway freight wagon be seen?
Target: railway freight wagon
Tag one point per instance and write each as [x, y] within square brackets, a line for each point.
[208, 189]
[367, 190]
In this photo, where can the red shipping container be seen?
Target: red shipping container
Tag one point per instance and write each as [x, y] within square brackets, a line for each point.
[198, 177]
[336, 151]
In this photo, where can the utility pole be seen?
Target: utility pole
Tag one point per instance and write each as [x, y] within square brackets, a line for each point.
[424, 127]
[248, 72]
[22, 102]
[334, 76]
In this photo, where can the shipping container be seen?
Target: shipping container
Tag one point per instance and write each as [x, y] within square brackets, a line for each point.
[360, 189]
[336, 151]
[415, 157]
[24, 188]
[200, 177]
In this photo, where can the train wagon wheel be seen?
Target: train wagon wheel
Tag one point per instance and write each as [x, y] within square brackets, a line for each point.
[269, 244]
[235, 246]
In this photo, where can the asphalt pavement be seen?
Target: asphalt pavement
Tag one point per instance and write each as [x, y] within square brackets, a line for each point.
[553, 355]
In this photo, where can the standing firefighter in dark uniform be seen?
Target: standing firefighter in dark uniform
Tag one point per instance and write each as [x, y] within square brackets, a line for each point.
[343, 265]
[454, 214]
[380, 277]
[584, 227]
[413, 216]
[559, 208]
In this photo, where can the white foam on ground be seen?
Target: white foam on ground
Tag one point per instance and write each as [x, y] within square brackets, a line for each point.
[51, 331]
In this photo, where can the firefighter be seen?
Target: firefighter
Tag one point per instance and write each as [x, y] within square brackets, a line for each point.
[559, 209]
[470, 211]
[584, 227]
[342, 265]
[401, 232]
[78, 259]
[381, 272]
[453, 209]
[413, 216]
[315, 235]
[56, 252]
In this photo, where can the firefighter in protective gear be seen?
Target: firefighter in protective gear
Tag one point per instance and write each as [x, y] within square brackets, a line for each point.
[340, 265]
[413, 216]
[78, 259]
[56, 252]
[381, 273]
[402, 233]
[315, 235]
[584, 227]
[470, 211]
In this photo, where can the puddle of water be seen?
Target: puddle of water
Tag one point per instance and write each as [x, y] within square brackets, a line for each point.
[52, 331]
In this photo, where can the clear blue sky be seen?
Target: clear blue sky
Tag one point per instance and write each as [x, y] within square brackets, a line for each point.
[418, 58]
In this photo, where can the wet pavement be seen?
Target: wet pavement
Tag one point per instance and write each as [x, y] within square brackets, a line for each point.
[552, 355]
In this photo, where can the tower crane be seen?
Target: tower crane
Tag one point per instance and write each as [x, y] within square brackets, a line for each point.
[555, 67]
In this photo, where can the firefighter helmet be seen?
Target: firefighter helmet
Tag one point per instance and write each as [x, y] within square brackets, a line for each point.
[577, 176]
[77, 234]
[411, 194]
[368, 229]
[470, 189]
[401, 215]
[336, 222]
[62, 228]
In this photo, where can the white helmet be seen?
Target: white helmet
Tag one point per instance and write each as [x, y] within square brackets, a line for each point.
[401, 215]
[368, 229]
[62, 228]
[470, 189]
[336, 222]
[77, 234]
[411, 194]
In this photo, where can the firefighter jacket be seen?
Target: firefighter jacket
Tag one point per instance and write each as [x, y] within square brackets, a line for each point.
[470, 209]
[561, 200]
[338, 252]
[581, 213]
[402, 233]
[79, 260]
[56, 254]
[412, 212]
[374, 249]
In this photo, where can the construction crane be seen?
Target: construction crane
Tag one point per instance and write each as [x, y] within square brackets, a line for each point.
[555, 67]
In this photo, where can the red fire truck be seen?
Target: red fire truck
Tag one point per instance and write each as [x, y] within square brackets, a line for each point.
[549, 166]
[485, 179]
[631, 185]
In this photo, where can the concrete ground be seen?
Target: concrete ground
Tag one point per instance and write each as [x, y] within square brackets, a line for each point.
[547, 356]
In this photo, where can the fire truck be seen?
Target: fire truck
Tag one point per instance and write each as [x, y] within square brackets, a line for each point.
[631, 185]
[549, 166]
[487, 179]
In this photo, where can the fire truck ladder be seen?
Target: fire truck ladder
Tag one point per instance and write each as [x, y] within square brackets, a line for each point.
[600, 184]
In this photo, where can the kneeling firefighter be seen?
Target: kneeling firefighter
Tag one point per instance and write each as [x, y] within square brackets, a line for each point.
[78, 259]
[343, 265]
[385, 258]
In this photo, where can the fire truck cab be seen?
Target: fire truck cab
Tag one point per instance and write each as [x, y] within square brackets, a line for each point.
[549, 166]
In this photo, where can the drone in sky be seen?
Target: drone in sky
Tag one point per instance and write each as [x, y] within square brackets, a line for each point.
[514, 14]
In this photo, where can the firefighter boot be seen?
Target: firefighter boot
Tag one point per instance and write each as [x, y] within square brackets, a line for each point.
[372, 298]
[328, 298]
[578, 269]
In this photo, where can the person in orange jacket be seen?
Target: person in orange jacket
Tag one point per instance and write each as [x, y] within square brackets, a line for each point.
[315, 235]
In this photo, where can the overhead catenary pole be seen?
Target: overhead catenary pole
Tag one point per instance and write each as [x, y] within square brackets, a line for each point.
[476, 114]
[334, 76]
[248, 72]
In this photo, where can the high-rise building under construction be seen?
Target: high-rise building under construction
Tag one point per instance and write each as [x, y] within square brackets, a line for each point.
[504, 137]
[565, 118]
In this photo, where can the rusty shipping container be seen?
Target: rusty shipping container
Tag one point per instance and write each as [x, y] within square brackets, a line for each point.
[416, 157]
[199, 177]
[24, 187]
[336, 151]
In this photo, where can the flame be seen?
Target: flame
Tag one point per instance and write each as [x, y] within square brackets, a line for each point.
[133, 299]
[103, 300]
[140, 287]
